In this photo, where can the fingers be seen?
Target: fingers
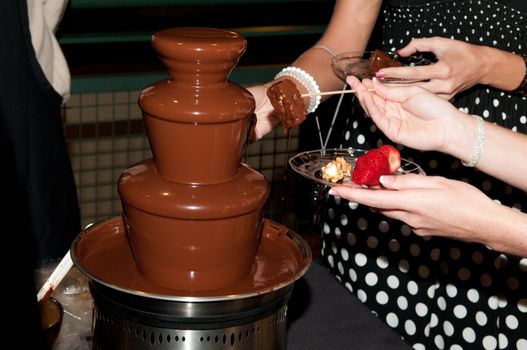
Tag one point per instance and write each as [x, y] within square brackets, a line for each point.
[420, 45]
[407, 181]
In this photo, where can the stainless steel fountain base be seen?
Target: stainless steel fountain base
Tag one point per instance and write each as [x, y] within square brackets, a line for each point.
[126, 322]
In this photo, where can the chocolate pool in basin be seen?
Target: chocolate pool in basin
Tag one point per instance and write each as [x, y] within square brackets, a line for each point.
[192, 263]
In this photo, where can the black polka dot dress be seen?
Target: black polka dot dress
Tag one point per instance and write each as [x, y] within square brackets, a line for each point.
[437, 293]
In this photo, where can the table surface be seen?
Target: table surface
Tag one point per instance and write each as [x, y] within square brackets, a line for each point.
[322, 314]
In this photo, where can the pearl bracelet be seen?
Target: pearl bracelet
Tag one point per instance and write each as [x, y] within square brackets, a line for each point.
[307, 81]
[480, 143]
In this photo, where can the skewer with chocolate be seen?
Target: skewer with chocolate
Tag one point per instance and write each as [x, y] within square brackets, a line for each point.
[288, 103]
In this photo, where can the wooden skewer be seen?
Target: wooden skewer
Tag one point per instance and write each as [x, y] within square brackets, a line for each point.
[331, 93]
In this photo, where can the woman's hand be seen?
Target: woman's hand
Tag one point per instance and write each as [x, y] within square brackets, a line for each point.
[409, 115]
[431, 206]
[460, 66]
[266, 118]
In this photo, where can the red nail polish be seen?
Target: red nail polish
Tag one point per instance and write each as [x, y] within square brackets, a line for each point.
[380, 75]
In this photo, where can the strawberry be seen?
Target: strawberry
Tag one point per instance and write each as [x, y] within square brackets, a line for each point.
[369, 168]
[393, 155]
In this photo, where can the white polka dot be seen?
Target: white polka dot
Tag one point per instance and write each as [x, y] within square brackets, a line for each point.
[522, 305]
[326, 229]
[463, 274]
[353, 275]
[503, 341]
[412, 288]
[460, 311]
[455, 253]
[421, 309]
[511, 321]
[334, 247]
[402, 303]
[382, 262]
[371, 279]
[372, 242]
[361, 295]
[415, 250]
[434, 320]
[469, 335]
[523, 264]
[409, 327]
[330, 261]
[353, 205]
[361, 139]
[418, 346]
[351, 238]
[404, 266]
[360, 259]
[392, 320]
[451, 290]
[439, 341]
[521, 344]
[473, 295]
[489, 342]
[384, 226]
[362, 224]
[394, 245]
[340, 267]
[344, 254]
[448, 328]
[502, 302]
[338, 233]
[441, 303]
[382, 298]
[343, 220]
[423, 271]
[435, 253]
[493, 302]
[481, 318]
[348, 286]
[495, 102]
[393, 282]
[455, 347]
[347, 135]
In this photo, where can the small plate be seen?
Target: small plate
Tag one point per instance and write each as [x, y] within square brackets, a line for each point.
[358, 63]
[309, 164]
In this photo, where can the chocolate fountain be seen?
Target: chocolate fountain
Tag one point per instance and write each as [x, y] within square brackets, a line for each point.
[192, 263]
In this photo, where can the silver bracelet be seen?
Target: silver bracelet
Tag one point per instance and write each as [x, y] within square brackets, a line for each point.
[307, 81]
[480, 144]
[325, 48]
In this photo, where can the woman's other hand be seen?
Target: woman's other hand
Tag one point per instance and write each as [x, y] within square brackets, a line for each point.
[266, 118]
[459, 66]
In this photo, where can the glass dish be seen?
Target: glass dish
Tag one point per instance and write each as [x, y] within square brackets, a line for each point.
[358, 63]
[309, 164]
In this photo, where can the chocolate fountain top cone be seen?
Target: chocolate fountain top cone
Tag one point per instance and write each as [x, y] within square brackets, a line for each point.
[197, 121]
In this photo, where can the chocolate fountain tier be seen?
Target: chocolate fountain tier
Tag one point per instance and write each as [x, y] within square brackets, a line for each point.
[194, 237]
[103, 254]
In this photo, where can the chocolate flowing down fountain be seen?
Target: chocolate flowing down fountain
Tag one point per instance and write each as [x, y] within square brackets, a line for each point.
[192, 263]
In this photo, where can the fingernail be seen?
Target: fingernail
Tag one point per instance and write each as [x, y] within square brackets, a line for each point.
[380, 74]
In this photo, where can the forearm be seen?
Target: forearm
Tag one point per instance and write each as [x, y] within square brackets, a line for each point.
[503, 155]
[502, 69]
[349, 30]
[504, 230]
